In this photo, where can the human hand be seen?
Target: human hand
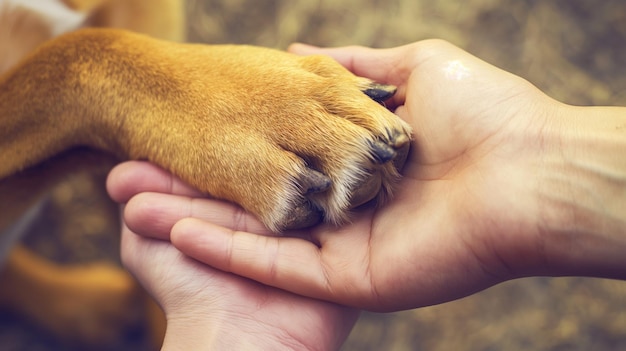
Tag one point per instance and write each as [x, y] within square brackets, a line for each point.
[486, 196]
[205, 307]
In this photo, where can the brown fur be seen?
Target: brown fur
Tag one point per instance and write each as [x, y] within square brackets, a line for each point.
[142, 98]
[255, 126]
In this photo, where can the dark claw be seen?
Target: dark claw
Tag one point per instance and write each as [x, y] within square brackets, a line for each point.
[314, 182]
[402, 155]
[366, 191]
[382, 152]
[302, 216]
[379, 92]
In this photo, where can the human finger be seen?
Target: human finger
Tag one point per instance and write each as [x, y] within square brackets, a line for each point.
[130, 178]
[389, 66]
[154, 214]
[380, 65]
[135, 252]
[288, 263]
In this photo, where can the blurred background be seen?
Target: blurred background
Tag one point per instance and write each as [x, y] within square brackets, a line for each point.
[574, 50]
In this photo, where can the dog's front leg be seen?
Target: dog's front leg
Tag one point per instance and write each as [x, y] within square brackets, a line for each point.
[99, 88]
[291, 139]
[44, 105]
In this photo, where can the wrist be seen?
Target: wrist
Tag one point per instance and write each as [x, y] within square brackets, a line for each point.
[216, 332]
[582, 194]
[196, 333]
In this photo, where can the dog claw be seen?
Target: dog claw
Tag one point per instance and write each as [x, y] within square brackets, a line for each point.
[381, 152]
[303, 216]
[401, 144]
[313, 182]
[379, 92]
[402, 153]
[396, 150]
[366, 191]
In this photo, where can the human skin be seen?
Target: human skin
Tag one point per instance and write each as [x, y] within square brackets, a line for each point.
[207, 309]
[502, 182]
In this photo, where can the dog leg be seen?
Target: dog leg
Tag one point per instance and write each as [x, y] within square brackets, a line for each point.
[245, 124]
[161, 18]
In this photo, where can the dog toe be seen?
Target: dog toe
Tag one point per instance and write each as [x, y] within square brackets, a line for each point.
[399, 141]
[313, 182]
[381, 152]
[301, 216]
[366, 191]
[402, 153]
[379, 92]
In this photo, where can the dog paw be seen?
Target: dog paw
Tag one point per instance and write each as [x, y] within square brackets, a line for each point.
[294, 140]
[301, 139]
[354, 163]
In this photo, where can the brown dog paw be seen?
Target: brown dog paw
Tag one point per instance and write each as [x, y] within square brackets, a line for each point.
[295, 140]
[372, 176]
[292, 139]
[351, 146]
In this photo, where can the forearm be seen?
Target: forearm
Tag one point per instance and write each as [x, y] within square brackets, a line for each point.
[584, 194]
